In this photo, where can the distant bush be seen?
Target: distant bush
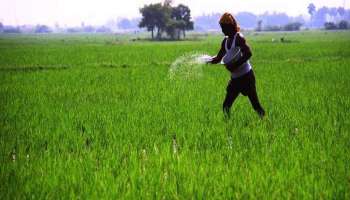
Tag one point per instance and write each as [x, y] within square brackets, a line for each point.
[42, 29]
[272, 28]
[330, 26]
[89, 29]
[11, 29]
[74, 30]
[103, 29]
[85, 29]
[343, 24]
[294, 26]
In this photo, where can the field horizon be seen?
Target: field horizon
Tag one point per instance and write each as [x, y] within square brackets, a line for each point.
[98, 117]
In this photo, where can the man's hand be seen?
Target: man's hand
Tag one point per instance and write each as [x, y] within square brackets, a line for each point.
[215, 60]
[209, 61]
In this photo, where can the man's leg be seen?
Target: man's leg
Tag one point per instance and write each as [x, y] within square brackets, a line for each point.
[253, 96]
[254, 100]
[231, 94]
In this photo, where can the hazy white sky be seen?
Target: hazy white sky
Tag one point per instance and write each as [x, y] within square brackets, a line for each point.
[73, 12]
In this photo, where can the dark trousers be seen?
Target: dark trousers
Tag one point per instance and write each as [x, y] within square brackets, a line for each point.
[246, 86]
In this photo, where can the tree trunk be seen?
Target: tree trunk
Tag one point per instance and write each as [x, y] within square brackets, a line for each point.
[184, 34]
[158, 33]
[152, 33]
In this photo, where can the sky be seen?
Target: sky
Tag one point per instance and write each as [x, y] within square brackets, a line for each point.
[97, 12]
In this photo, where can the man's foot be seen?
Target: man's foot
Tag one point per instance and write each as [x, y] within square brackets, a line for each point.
[261, 113]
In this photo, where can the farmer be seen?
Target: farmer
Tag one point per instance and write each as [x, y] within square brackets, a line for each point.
[235, 54]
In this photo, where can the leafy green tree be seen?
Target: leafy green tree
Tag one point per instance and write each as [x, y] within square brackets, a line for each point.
[164, 17]
[259, 27]
[148, 20]
[155, 17]
[172, 29]
[341, 11]
[167, 2]
[182, 14]
[311, 9]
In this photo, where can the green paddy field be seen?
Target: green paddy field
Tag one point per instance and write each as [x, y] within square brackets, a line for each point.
[99, 117]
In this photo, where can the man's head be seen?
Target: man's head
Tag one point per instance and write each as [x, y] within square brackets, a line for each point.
[228, 24]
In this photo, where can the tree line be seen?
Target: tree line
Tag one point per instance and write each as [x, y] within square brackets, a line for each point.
[163, 18]
[329, 17]
[166, 20]
[322, 17]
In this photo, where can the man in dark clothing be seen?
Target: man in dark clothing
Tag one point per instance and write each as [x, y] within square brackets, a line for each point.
[235, 54]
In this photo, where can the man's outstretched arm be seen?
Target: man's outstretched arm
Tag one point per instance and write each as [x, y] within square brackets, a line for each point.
[220, 55]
